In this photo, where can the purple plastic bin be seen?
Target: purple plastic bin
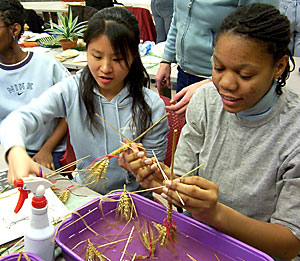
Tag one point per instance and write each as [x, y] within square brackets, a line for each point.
[15, 256]
[199, 241]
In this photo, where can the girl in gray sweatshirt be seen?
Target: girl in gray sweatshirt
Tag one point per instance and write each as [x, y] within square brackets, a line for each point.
[245, 127]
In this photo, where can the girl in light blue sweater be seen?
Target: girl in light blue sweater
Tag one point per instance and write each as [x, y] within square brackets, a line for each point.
[112, 85]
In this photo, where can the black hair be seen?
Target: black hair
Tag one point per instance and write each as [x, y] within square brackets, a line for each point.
[264, 23]
[121, 27]
[11, 12]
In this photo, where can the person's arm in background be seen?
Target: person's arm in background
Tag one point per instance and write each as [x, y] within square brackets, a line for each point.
[164, 70]
[163, 75]
[184, 97]
[44, 156]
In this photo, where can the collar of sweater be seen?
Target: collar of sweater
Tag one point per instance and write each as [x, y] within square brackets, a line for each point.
[263, 107]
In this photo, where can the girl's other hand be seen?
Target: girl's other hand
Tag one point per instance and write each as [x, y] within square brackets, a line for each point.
[132, 159]
[135, 151]
[44, 158]
[163, 77]
[145, 171]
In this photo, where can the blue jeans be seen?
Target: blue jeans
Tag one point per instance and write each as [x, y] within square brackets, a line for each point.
[162, 11]
[291, 8]
[184, 79]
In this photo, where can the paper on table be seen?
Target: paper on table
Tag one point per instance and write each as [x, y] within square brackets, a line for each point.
[13, 226]
[158, 49]
[4, 186]
[150, 61]
[80, 58]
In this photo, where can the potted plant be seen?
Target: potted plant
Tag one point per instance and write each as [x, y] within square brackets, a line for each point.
[68, 32]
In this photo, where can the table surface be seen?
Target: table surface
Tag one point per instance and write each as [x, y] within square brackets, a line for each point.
[78, 197]
[151, 69]
[293, 81]
[72, 64]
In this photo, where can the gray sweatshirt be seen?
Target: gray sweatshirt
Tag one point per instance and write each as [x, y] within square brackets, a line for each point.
[255, 163]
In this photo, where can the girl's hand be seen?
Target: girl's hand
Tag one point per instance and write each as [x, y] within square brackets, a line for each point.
[134, 160]
[145, 171]
[135, 152]
[150, 175]
[20, 164]
[45, 158]
[199, 195]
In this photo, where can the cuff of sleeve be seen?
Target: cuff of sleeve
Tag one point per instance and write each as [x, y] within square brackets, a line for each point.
[165, 61]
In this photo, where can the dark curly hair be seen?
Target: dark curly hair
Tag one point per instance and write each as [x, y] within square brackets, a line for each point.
[264, 23]
[121, 27]
[11, 12]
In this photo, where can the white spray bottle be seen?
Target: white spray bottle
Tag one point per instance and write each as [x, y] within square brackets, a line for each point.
[39, 236]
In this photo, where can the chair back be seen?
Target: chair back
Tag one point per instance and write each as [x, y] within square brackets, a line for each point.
[84, 13]
[99, 4]
[147, 27]
[68, 156]
[175, 122]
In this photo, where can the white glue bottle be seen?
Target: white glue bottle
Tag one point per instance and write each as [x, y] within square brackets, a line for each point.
[39, 236]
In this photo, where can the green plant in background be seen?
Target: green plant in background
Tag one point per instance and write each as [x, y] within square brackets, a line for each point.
[69, 29]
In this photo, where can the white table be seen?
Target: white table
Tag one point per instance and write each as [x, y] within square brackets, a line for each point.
[3, 164]
[137, 3]
[58, 6]
[49, 10]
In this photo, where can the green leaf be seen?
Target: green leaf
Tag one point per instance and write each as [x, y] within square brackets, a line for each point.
[69, 28]
[70, 17]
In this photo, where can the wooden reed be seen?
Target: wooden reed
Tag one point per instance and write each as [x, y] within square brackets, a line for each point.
[127, 243]
[58, 171]
[192, 170]
[173, 153]
[169, 208]
[150, 128]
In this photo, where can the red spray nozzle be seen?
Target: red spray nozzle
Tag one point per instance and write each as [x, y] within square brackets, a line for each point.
[18, 183]
[35, 185]
[23, 194]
